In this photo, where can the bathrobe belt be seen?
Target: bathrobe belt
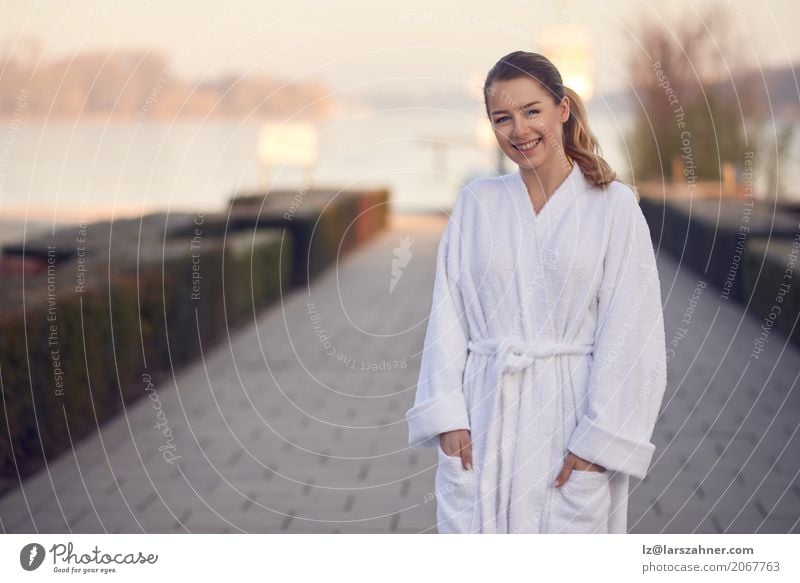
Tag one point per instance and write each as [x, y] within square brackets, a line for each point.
[506, 355]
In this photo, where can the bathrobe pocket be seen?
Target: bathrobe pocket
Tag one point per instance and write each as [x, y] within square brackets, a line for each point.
[581, 505]
[455, 494]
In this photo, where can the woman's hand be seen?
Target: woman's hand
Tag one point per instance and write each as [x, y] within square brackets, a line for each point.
[457, 443]
[573, 462]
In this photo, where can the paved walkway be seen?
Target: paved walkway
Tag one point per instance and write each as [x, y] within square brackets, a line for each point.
[296, 424]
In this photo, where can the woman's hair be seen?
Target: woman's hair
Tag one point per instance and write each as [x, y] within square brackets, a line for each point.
[579, 142]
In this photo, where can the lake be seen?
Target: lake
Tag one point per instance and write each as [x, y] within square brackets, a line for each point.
[61, 171]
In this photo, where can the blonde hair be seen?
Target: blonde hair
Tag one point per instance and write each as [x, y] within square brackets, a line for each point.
[579, 142]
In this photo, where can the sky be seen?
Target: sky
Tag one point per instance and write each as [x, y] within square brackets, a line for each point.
[351, 44]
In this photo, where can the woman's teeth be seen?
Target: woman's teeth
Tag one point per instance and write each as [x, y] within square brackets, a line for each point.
[528, 145]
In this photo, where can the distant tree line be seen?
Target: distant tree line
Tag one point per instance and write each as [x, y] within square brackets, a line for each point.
[131, 85]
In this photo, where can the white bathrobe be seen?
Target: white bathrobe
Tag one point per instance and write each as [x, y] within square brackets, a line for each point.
[545, 336]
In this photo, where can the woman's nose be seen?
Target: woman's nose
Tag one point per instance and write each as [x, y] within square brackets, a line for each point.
[519, 134]
[520, 129]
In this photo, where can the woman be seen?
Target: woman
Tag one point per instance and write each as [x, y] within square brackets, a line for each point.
[544, 362]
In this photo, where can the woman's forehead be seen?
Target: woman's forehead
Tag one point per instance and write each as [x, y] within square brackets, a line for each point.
[514, 93]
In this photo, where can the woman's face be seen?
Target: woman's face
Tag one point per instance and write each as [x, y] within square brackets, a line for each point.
[527, 122]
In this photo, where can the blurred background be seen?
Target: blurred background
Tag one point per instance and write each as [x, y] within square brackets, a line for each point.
[179, 179]
[142, 108]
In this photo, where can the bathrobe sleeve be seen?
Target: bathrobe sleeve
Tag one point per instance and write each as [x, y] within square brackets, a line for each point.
[628, 372]
[440, 404]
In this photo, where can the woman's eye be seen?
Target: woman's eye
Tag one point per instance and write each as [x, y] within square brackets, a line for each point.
[505, 117]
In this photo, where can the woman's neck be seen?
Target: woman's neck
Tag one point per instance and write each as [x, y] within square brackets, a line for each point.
[542, 182]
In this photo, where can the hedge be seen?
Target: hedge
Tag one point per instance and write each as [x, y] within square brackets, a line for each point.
[102, 371]
[140, 311]
[712, 237]
[709, 238]
[322, 224]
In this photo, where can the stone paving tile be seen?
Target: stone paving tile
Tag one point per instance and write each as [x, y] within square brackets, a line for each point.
[728, 421]
[296, 424]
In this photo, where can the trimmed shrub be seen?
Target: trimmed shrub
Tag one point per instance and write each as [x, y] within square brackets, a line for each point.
[74, 356]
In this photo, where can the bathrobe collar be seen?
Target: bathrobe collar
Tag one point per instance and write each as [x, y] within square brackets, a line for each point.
[561, 197]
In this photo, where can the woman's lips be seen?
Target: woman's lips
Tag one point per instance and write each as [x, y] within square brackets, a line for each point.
[528, 146]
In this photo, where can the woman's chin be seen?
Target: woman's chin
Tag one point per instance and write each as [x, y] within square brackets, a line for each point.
[521, 158]
[527, 162]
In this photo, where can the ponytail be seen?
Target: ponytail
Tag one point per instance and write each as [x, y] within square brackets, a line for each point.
[581, 145]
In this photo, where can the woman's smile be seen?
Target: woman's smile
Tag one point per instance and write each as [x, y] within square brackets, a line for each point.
[525, 146]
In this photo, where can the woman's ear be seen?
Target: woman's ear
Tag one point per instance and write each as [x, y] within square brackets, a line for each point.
[564, 109]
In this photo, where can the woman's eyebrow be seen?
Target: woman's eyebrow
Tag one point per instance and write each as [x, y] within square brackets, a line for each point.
[522, 107]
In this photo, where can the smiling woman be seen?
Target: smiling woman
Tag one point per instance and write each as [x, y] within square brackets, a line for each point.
[544, 363]
[541, 125]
